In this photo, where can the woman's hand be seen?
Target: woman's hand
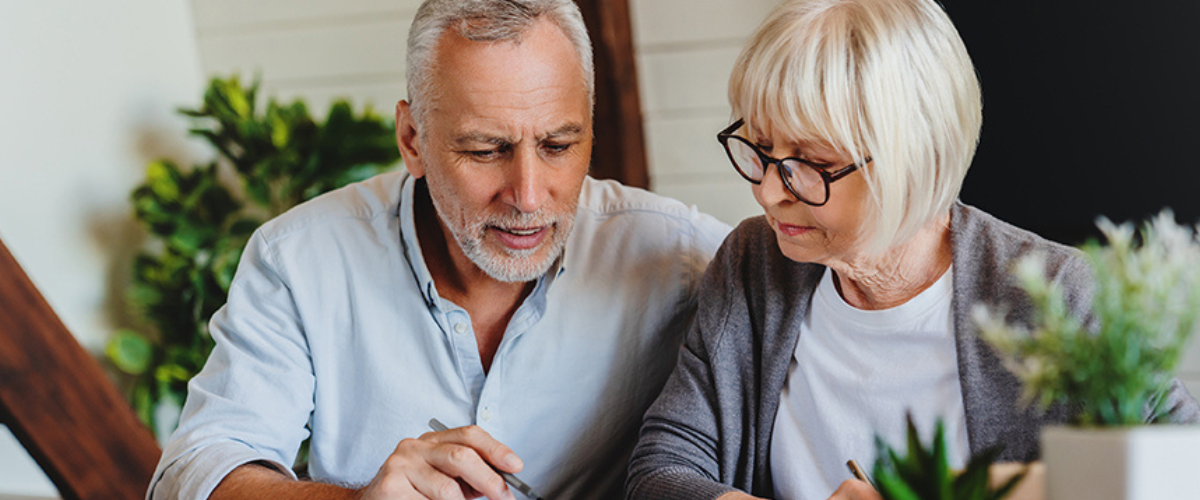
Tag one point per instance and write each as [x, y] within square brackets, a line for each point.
[853, 489]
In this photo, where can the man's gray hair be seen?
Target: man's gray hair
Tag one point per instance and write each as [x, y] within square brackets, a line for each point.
[485, 21]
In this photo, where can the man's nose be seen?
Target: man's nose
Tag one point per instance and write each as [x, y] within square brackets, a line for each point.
[527, 189]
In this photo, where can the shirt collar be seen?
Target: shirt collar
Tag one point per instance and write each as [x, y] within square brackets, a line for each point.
[416, 261]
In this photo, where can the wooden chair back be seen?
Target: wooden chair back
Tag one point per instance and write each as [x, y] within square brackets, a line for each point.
[58, 402]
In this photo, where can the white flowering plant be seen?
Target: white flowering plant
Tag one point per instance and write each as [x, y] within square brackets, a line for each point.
[1115, 366]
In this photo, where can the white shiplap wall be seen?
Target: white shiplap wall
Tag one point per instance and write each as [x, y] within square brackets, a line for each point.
[685, 49]
[322, 50]
[314, 49]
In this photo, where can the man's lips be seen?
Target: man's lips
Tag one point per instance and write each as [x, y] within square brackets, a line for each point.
[520, 238]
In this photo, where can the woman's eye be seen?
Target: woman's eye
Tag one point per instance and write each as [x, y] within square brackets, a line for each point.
[819, 164]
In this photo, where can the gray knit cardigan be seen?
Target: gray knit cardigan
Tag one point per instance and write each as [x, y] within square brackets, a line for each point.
[709, 432]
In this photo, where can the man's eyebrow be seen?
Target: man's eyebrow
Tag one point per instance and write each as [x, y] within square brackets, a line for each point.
[568, 130]
[478, 137]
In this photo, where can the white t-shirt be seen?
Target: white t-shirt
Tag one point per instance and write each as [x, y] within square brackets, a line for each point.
[853, 376]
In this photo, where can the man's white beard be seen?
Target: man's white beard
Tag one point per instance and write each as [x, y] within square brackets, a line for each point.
[506, 264]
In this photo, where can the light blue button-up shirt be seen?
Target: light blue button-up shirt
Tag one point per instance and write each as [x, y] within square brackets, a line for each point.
[334, 324]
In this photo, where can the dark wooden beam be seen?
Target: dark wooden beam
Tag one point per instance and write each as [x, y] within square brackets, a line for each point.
[60, 405]
[620, 148]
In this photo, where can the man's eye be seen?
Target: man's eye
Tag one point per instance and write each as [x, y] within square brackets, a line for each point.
[484, 154]
[556, 148]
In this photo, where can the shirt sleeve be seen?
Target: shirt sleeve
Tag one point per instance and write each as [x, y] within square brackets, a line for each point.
[254, 397]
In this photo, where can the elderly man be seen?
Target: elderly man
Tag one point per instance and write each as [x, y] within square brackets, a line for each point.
[495, 287]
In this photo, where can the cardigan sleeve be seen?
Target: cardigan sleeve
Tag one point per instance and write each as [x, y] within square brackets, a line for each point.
[677, 454]
[1180, 406]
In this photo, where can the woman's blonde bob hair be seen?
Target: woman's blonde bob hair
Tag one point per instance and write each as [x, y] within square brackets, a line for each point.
[886, 79]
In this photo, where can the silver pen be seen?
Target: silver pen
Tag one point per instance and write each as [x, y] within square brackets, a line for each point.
[508, 478]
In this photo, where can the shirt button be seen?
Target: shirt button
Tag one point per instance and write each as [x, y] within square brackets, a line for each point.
[486, 414]
[461, 328]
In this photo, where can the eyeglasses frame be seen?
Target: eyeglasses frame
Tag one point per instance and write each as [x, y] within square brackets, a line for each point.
[828, 177]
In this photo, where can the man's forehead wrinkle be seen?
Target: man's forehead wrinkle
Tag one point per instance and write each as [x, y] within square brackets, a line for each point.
[536, 92]
[568, 129]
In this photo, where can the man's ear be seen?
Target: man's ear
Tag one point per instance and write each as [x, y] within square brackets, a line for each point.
[407, 141]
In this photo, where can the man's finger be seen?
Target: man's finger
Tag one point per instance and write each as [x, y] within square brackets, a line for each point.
[466, 464]
[434, 484]
[491, 450]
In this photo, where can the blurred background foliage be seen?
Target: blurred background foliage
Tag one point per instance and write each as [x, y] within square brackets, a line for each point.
[269, 159]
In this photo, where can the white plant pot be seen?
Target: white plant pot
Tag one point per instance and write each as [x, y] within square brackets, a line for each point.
[1137, 463]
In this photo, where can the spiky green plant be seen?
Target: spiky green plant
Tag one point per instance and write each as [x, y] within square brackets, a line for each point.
[925, 474]
[1145, 308]
[276, 156]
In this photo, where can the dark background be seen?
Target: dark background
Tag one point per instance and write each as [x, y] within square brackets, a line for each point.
[1089, 108]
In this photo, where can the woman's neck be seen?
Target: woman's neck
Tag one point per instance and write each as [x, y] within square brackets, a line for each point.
[899, 274]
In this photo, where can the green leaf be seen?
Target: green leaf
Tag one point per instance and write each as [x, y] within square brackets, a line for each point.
[892, 488]
[280, 132]
[189, 239]
[163, 179]
[172, 373]
[143, 403]
[130, 352]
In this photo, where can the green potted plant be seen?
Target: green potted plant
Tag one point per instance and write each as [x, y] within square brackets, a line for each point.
[270, 158]
[1113, 368]
[924, 473]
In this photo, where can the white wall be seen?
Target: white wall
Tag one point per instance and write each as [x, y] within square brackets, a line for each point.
[87, 97]
[315, 49]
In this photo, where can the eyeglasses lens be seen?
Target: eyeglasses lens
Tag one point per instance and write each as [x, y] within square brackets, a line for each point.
[746, 159]
[806, 180]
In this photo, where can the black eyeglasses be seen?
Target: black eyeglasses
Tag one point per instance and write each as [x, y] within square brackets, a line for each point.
[807, 181]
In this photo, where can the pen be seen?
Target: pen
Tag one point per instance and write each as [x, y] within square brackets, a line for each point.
[508, 478]
[858, 473]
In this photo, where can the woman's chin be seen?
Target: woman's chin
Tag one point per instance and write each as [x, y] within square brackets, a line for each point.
[797, 251]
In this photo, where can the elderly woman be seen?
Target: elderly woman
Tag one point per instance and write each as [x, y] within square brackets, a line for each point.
[824, 321]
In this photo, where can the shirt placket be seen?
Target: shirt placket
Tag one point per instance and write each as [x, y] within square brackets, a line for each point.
[489, 412]
[466, 351]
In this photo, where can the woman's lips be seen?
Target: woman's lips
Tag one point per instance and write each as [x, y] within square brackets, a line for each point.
[791, 230]
[520, 238]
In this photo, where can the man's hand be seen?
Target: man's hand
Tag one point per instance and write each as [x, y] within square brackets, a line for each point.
[853, 489]
[447, 465]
